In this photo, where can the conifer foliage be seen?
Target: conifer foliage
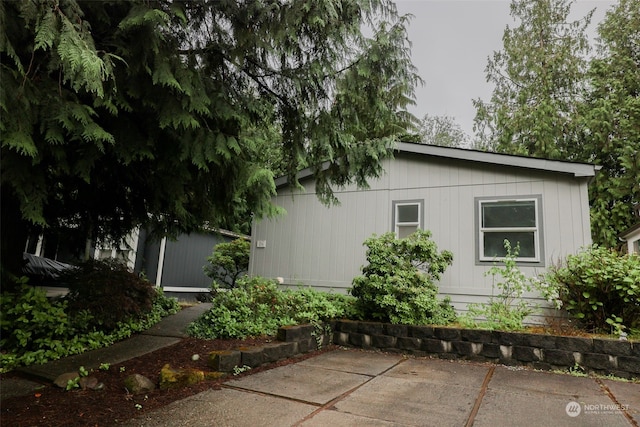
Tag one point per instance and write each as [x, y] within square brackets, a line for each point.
[163, 113]
[555, 98]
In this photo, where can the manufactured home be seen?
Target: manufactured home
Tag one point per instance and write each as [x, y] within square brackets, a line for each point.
[470, 200]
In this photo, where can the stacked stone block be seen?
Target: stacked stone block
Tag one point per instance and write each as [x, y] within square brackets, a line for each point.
[291, 341]
[604, 356]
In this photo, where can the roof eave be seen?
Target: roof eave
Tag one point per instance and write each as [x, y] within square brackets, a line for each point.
[629, 231]
[579, 170]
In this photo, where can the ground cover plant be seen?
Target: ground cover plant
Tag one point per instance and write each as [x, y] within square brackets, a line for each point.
[398, 284]
[35, 329]
[256, 307]
[601, 289]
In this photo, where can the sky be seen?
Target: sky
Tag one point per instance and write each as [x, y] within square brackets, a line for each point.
[452, 40]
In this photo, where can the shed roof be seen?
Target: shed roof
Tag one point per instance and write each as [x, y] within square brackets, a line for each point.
[573, 168]
[628, 232]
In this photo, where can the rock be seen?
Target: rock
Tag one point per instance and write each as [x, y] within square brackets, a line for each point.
[63, 379]
[88, 383]
[224, 360]
[137, 384]
[85, 383]
[170, 377]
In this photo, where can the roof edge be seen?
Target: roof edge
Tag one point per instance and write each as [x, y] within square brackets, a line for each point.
[573, 168]
[578, 170]
[629, 231]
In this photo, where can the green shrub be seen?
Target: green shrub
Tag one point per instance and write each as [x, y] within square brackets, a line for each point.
[256, 307]
[228, 262]
[28, 318]
[398, 286]
[109, 291]
[507, 310]
[600, 288]
[35, 330]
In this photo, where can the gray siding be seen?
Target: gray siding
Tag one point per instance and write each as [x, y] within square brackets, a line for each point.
[183, 259]
[323, 247]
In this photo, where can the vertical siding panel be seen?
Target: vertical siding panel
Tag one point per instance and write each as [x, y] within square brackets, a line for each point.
[466, 239]
[564, 239]
[325, 245]
[552, 220]
[576, 214]
[292, 257]
[342, 224]
[585, 215]
[337, 231]
[307, 229]
[279, 244]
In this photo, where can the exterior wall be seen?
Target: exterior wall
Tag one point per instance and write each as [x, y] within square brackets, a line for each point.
[182, 261]
[632, 239]
[125, 251]
[185, 257]
[323, 247]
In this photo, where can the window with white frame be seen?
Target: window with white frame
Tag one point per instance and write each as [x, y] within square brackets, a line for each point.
[407, 217]
[517, 220]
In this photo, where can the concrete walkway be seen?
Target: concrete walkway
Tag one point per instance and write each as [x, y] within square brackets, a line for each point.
[168, 331]
[358, 388]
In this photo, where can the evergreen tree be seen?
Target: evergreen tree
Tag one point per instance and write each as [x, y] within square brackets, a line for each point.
[538, 77]
[167, 114]
[611, 123]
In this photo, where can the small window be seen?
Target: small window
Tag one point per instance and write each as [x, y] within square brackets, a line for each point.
[515, 220]
[407, 217]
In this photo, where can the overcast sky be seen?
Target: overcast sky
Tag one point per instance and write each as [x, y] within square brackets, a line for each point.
[452, 40]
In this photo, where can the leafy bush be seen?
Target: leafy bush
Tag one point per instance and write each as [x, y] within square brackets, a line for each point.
[507, 310]
[228, 262]
[600, 288]
[109, 291]
[35, 330]
[398, 283]
[28, 319]
[256, 307]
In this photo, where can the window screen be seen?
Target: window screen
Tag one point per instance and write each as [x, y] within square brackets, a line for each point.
[514, 220]
[407, 217]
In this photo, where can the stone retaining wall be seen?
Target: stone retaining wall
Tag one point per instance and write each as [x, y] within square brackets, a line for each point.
[548, 352]
[291, 341]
